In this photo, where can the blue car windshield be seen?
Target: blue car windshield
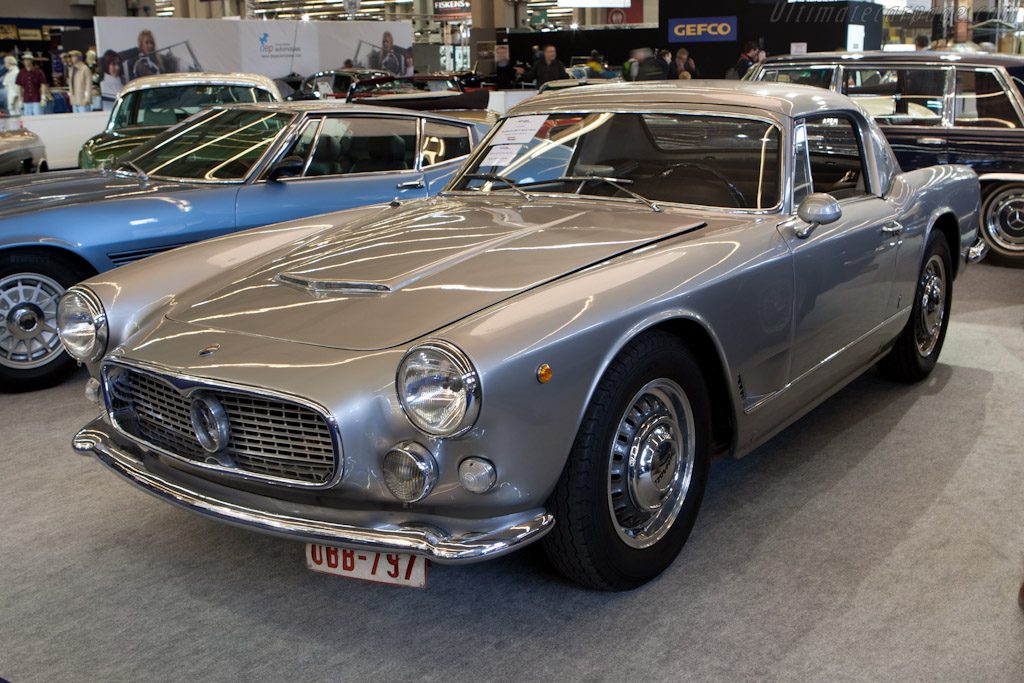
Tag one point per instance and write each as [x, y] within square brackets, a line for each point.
[220, 145]
[700, 159]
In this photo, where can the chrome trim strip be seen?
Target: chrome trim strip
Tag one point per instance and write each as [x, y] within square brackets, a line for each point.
[193, 383]
[1012, 177]
[511, 532]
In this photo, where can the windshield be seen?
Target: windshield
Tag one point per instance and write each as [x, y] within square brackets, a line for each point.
[167, 105]
[220, 144]
[700, 159]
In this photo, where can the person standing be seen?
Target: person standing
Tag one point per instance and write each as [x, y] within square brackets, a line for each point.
[546, 69]
[683, 64]
[31, 82]
[12, 99]
[748, 58]
[79, 84]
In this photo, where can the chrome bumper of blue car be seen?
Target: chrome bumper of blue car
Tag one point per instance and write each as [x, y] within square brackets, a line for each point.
[501, 535]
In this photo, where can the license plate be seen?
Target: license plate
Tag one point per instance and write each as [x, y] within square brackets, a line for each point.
[394, 568]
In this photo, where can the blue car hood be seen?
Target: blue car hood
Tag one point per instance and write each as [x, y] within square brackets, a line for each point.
[73, 188]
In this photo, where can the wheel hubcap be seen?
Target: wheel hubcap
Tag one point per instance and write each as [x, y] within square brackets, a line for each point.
[28, 308]
[932, 290]
[651, 463]
[1004, 221]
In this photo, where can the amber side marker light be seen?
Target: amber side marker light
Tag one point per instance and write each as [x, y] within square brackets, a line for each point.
[544, 373]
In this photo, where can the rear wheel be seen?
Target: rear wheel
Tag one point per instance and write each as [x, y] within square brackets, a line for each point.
[1002, 224]
[630, 491]
[31, 283]
[917, 348]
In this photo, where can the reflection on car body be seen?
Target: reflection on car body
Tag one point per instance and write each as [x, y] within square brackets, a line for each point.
[621, 284]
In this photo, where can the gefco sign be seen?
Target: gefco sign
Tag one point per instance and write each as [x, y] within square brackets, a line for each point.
[702, 30]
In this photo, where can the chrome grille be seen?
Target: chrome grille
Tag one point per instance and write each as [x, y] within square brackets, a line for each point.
[269, 437]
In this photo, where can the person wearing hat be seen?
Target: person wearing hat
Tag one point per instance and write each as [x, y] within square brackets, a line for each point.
[79, 84]
[31, 82]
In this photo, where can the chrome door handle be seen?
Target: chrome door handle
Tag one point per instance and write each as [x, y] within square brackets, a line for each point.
[892, 230]
[931, 141]
[411, 185]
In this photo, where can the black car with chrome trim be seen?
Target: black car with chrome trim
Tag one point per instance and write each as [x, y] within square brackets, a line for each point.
[938, 108]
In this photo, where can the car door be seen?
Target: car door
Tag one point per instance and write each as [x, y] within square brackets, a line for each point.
[987, 131]
[843, 270]
[349, 160]
[909, 105]
[443, 148]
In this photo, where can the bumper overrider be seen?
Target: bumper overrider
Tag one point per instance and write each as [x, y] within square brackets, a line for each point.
[462, 542]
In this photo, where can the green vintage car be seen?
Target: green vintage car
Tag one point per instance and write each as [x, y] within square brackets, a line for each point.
[150, 105]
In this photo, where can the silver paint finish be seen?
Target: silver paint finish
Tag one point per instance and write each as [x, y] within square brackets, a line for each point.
[563, 281]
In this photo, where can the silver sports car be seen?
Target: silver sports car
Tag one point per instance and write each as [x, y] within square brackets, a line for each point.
[621, 284]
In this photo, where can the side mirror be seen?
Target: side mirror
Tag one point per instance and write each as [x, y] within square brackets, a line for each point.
[289, 167]
[817, 209]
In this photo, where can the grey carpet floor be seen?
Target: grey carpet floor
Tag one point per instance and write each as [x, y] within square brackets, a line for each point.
[879, 539]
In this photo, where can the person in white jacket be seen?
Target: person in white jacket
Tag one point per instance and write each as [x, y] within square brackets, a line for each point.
[13, 99]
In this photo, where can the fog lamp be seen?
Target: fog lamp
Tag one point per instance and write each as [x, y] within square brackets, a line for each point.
[410, 471]
[477, 475]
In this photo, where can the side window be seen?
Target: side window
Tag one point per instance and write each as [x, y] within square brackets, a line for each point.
[364, 145]
[801, 170]
[836, 161]
[444, 142]
[303, 145]
[907, 97]
[981, 101]
[263, 95]
[820, 77]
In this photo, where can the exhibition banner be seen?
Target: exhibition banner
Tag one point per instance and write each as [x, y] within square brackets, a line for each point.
[129, 47]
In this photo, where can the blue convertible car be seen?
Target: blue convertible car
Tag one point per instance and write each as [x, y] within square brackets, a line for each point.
[225, 169]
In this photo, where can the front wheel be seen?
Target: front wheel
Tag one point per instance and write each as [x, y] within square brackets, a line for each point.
[916, 350]
[630, 491]
[31, 283]
[1002, 224]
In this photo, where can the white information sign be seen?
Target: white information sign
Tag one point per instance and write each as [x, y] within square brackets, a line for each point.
[501, 155]
[798, 48]
[519, 130]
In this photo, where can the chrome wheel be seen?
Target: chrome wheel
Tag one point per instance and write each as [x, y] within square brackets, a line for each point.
[651, 463]
[932, 311]
[1003, 222]
[28, 311]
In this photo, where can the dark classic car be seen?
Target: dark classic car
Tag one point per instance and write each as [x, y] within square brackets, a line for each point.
[621, 284]
[21, 151]
[150, 105]
[225, 169]
[333, 83]
[938, 108]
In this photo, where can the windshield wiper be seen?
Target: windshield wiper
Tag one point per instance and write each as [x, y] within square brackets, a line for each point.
[501, 179]
[131, 164]
[617, 183]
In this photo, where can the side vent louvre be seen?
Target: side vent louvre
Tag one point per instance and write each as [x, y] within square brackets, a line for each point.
[739, 385]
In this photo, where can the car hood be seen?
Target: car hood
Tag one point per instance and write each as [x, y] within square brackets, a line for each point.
[403, 273]
[73, 188]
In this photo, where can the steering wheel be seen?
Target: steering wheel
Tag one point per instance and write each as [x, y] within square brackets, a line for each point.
[714, 173]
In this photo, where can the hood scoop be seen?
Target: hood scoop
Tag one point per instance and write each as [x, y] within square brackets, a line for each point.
[320, 288]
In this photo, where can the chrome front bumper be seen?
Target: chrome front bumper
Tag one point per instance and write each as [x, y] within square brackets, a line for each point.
[501, 535]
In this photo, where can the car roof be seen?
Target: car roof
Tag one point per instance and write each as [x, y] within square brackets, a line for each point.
[200, 78]
[915, 57]
[786, 99]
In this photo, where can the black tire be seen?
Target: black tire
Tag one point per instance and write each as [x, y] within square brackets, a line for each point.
[917, 348]
[33, 363]
[595, 545]
[1002, 224]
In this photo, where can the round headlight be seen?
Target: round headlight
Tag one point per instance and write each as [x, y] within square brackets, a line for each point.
[82, 325]
[438, 388]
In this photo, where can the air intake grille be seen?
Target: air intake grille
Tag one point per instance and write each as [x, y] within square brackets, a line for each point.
[269, 438]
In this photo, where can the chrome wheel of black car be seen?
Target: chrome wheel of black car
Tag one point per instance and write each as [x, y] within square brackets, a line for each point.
[1002, 225]
[917, 349]
[31, 283]
[631, 488]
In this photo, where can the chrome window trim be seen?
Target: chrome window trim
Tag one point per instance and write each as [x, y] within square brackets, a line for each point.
[783, 123]
[867, 157]
[1003, 79]
[424, 120]
[189, 384]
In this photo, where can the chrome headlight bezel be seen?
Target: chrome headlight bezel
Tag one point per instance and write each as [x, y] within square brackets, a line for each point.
[471, 389]
[89, 303]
